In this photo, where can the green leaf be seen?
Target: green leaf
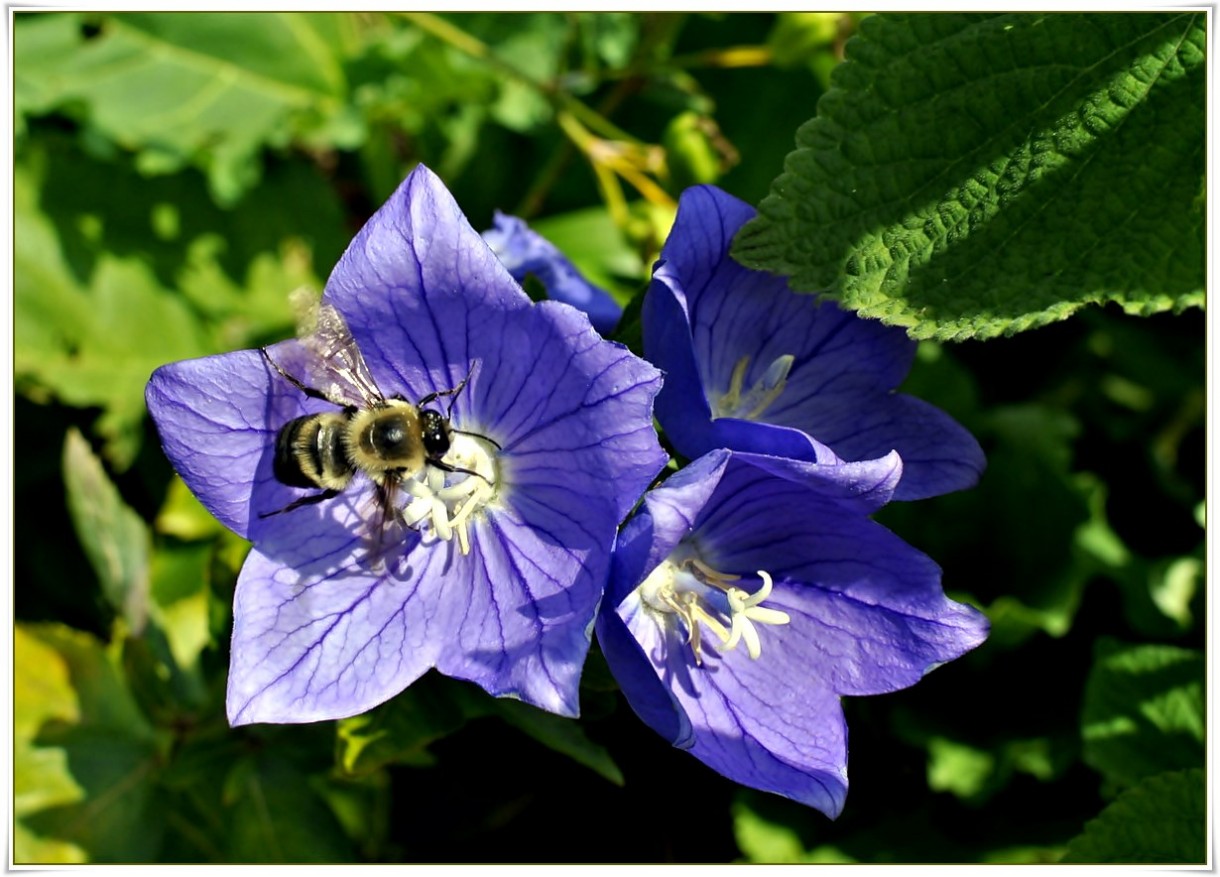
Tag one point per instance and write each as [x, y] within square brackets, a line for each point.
[798, 37]
[1172, 586]
[173, 225]
[763, 841]
[972, 175]
[115, 539]
[1143, 711]
[187, 89]
[399, 731]
[563, 735]
[535, 45]
[609, 37]
[1163, 820]
[274, 815]
[95, 304]
[182, 600]
[958, 768]
[976, 775]
[93, 342]
[85, 759]
[1026, 511]
[691, 154]
[597, 247]
[183, 516]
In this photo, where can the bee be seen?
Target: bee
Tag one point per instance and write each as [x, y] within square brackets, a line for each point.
[387, 439]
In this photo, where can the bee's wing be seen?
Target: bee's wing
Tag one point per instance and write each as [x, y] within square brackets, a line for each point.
[335, 350]
[326, 358]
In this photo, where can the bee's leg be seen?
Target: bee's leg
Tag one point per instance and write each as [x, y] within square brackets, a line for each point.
[387, 508]
[305, 500]
[451, 392]
[308, 391]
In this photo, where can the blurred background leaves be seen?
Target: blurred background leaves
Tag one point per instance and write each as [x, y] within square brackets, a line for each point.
[177, 175]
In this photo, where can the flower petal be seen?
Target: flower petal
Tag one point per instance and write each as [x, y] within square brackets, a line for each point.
[636, 674]
[325, 628]
[419, 289]
[853, 610]
[569, 409]
[799, 752]
[322, 632]
[706, 318]
[217, 417]
[542, 375]
[868, 614]
[523, 252]
[522, 613]
[939, 455]
[333, 614]
[779, 732]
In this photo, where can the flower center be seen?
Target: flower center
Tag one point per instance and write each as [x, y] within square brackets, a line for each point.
[702, 597]
[750, 404]
[448, 500]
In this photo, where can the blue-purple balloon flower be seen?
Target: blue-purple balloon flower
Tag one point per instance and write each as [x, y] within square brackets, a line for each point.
[753, 366]
[523, 252]
[494, 570]
[749, 593]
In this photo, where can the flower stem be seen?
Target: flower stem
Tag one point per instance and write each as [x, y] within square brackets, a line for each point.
[438, 27]
[610, 150]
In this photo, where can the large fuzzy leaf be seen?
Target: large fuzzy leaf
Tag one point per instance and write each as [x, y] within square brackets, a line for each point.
[972, 175]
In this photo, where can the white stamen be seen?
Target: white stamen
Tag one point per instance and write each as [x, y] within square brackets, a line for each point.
[448, 508]
[751, 404]
[701, 596]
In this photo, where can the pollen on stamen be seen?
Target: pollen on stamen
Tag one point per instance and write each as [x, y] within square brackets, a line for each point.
[448, 508]
[701, 596]
[751, 404]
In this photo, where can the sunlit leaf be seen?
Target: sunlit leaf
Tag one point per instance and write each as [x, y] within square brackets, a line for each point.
[976, 774]
[93, 343]
[85, 758]
[972, 175]
[182, 600]
[1143, 711]
[115, 538]
[535, 46]
[183, 516]
[188, 89]
[765, 842]
[957, 768]
[400, 730]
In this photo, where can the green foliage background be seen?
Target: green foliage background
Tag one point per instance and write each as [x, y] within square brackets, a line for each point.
[177, 175]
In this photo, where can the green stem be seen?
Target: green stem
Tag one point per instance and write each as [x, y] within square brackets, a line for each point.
[438, 27]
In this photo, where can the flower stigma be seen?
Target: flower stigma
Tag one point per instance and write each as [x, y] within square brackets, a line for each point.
[752, 403]
[701, 596]
[449, 500]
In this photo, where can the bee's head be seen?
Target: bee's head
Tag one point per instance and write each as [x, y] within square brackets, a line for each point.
[436, 433]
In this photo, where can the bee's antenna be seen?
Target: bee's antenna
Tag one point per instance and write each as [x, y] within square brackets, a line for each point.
[445, 467]
[479, 435]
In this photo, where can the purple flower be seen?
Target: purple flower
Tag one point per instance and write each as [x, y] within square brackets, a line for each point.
[753, 366]
[524, 251]
[491, 571]
[749, 593]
